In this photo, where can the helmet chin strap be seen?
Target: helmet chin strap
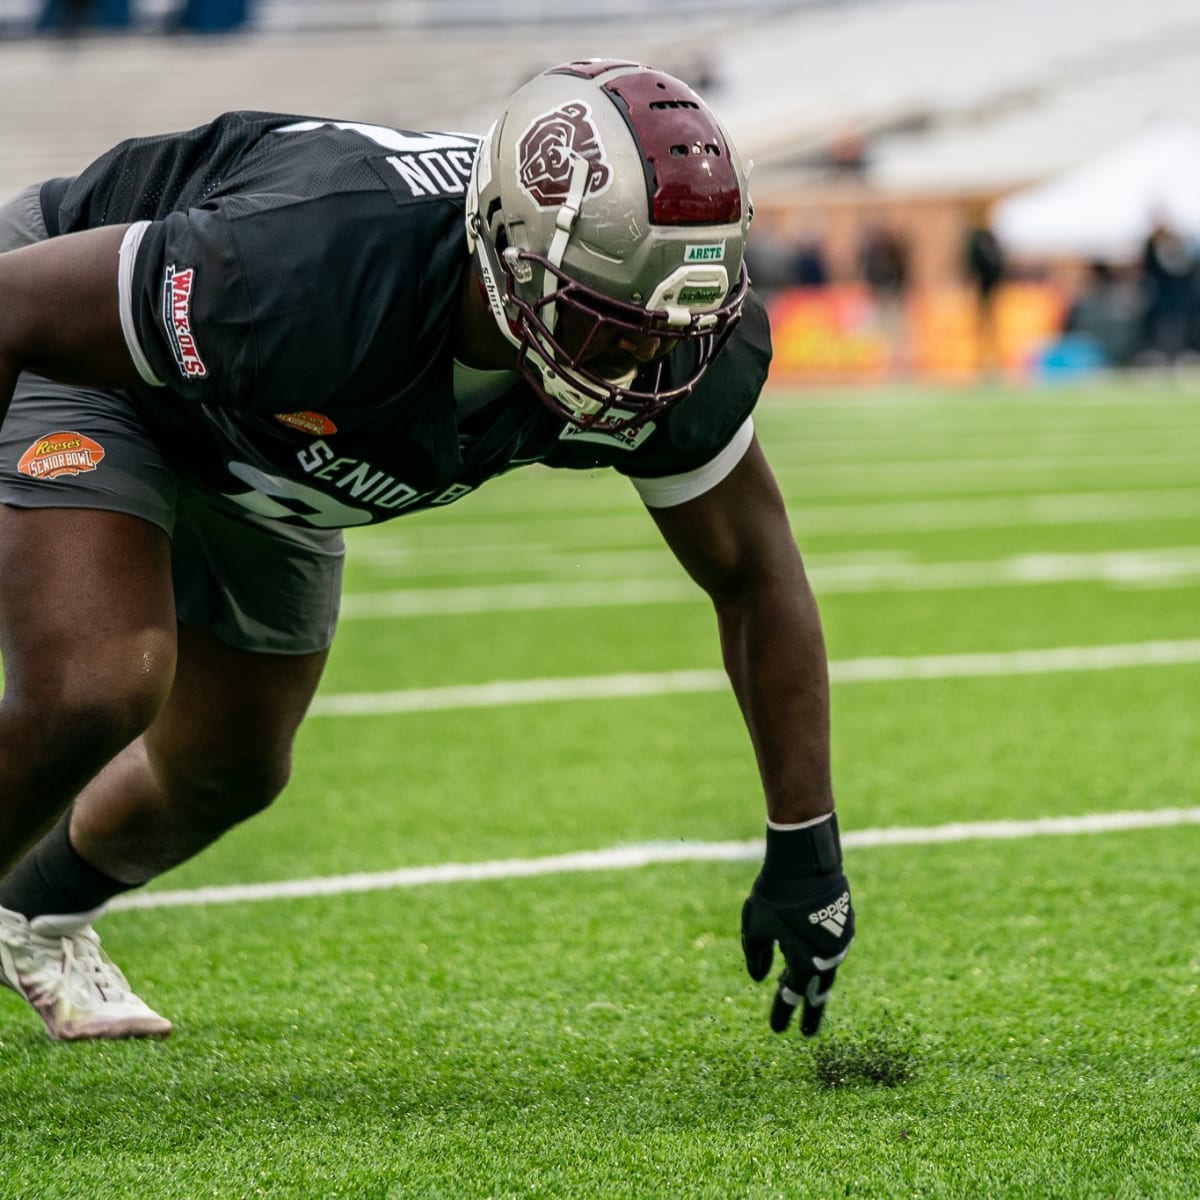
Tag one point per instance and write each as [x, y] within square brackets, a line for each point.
[556, 380]
[559, 386]
[564, 223]
[557, 383]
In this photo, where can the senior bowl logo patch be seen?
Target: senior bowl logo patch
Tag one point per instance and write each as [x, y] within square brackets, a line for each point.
[548, 149]
[177, 320]
[318, 424]
[62, 453]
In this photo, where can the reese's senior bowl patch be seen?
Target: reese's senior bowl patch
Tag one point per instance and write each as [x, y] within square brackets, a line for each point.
[62, 453]
[177, 320]
[318, 424]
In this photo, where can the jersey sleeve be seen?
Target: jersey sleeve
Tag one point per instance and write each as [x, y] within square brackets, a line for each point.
[260, 307]
[185, 311]
[666, 491]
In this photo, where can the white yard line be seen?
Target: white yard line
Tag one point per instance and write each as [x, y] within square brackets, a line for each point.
[1124, 568]
[948, 473]
[572, 513]
[620, 858]
[854, 670]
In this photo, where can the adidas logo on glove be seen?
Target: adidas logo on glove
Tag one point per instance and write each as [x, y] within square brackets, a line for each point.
[832, 916]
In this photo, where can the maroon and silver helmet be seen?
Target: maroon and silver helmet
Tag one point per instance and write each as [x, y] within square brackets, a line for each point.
[606, 202]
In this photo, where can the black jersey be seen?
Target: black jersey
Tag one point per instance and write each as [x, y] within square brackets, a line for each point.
[291, 302]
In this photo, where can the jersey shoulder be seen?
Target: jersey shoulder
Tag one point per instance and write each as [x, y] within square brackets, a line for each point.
[414, 165]
[279, 158]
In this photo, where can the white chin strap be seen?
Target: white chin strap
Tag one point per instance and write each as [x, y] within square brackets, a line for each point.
[571, 393]
[560, 385]
[564, 222]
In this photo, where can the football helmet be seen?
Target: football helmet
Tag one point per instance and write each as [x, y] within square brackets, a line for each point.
[608, 212]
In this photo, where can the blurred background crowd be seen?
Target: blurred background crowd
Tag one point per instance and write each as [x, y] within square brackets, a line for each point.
[943, 188]
[78, 17]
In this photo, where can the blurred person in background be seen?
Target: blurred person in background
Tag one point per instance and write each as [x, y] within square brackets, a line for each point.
[1170, 295]
[985, 267]
[72, 17]
[1107, 311]
[219, 348]
[809, 263]
[210, 16]
[883, 267]
[769, 257]
[779, 257]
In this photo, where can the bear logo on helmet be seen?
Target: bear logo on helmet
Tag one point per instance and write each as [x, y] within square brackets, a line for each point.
[548, 148]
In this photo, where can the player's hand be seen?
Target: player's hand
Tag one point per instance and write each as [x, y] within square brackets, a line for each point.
[800, 902]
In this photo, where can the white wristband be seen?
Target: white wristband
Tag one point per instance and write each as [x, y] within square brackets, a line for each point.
[800, 825]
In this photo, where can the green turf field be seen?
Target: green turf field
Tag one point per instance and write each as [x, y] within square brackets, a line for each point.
[1034, 1001]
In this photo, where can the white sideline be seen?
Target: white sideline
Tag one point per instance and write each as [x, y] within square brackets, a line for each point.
[620, 858]
[853, 670]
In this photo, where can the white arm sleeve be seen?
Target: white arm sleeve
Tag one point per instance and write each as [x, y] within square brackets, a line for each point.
[129, 248]
[669, 490]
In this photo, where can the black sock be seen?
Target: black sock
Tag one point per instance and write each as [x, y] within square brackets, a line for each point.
[54, 878]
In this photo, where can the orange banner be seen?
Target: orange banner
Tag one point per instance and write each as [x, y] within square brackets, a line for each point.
[827, 333]
[841, 334]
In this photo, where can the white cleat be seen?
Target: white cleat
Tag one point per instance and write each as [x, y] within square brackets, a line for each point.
[56, 963]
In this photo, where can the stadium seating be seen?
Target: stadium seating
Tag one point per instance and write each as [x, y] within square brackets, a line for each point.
[990, 92]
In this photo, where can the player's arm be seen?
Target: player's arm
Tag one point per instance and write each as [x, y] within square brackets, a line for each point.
[59, 312]
[736, 542]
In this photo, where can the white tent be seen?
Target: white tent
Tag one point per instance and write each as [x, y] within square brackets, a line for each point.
[1106, 207]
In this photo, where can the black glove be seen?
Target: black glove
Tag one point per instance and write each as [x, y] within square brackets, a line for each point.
[802, 901]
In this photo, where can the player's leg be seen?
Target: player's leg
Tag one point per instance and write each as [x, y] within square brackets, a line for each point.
[87, 634]
[219, 751]
[87, 637]
[87, 615]
[258, 602]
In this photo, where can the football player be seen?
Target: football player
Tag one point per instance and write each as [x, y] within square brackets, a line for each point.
[219, 348]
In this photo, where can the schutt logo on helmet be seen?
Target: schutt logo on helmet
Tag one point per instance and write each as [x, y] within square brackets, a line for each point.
[548, 148]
